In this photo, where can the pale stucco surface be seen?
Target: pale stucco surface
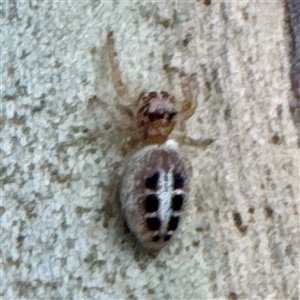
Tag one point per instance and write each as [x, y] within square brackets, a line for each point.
[62, 234]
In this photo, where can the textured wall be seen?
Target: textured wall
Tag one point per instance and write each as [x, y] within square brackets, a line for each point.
[62, 235]
[293, 28]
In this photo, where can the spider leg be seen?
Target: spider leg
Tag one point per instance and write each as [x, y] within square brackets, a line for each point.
[198, 143]
[189, 87]
[118, 84]
[127, 114]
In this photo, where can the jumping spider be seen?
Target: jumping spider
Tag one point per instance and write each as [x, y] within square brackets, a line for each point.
[156, 177]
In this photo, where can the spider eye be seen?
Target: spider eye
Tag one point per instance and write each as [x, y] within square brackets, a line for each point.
[165, 94]
[152, 95]
[155, 116]
[171, 115]
[161, 115]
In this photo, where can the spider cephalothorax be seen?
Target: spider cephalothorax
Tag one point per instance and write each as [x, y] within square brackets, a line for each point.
[155, 116]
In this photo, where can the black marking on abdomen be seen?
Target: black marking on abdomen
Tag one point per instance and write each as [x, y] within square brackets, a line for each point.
[151, 182]
[151, 203]
[177, 202]
[153, 223]
[167, 237]
[173, 223]
[178, 181]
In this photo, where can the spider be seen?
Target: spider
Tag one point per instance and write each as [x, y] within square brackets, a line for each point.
[156, 177]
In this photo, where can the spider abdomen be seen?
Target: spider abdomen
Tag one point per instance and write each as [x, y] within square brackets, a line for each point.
[154, 192]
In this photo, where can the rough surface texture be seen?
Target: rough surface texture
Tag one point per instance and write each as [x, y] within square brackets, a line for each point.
[62, 236]
[293, 36]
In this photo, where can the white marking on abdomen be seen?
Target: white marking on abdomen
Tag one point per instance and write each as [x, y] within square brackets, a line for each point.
[164, 193]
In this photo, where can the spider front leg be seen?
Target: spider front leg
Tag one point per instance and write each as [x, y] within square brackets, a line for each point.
[189, 87]
[119, 86]
[121, 111]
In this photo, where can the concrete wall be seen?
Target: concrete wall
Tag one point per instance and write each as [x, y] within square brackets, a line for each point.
[62, 234]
